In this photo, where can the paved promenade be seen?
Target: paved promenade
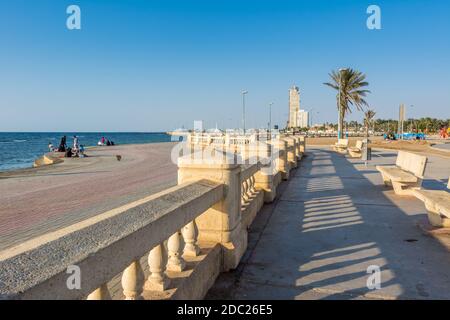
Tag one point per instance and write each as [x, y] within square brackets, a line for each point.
[443, 146]
[40, 200]
[334, 219]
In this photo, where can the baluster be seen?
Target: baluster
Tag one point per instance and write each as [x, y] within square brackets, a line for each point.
[245, 189]
[190, 234]
[132, 279]
[253, 184]
[157, 259]
[242, 194]
[176, 262]
[101, 293]
[249, 188]
[250, 185]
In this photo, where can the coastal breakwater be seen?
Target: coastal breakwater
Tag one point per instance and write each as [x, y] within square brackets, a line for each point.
[170, 245]
[47, 159]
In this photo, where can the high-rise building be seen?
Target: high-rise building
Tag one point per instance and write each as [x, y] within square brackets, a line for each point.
[303, 119]
[294, 107]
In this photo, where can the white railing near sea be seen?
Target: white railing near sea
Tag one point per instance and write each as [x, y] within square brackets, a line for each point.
[170, 245]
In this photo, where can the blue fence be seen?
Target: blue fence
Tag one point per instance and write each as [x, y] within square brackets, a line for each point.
[409, 136]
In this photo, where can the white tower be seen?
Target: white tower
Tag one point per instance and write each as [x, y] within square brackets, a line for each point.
[294, 107]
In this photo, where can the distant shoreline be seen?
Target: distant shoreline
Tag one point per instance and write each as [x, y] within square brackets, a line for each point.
[19, 150]
[49, 168]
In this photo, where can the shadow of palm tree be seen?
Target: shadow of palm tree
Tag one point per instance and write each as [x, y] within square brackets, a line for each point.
[334, 221]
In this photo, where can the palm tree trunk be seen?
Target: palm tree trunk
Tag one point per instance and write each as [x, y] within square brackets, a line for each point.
[341, 123]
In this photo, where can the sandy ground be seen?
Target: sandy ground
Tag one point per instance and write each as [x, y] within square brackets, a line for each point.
[35, 201]
[424, 147]
[331, 141]
[378, 142]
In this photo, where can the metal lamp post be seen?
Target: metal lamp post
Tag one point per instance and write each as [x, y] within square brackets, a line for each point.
[270, 120]
[311, 117]
[244, 92]
[310, 120]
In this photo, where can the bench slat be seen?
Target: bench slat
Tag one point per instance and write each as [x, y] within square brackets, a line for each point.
[397, 174]
[411, 162]
[438, 198]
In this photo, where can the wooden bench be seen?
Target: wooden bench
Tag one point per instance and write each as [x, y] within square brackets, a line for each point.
[341, 146]
[356, 151]
[437, 203]
[406, 175]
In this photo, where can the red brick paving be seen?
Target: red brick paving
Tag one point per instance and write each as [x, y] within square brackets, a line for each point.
[37, 201]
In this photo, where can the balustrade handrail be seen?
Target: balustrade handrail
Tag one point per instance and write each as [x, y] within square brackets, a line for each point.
[223, 138]
[102, 246]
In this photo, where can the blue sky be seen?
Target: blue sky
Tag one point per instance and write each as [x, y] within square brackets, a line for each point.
[141, 65]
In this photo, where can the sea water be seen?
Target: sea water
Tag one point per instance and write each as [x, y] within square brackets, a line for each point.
[19, 149]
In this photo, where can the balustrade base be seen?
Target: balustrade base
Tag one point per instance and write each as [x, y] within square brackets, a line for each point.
[194, 252]
[155, 286]
[176, 267]
[194, 282]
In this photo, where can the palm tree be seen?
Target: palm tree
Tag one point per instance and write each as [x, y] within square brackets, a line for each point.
[350, 85]
[368, 116]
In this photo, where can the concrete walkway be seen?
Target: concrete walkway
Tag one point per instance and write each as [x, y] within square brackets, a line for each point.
[444, 146]
[334, 219]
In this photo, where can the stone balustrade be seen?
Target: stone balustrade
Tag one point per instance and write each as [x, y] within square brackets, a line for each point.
[252, 198]
[170, 245]
[282, 164]
[110, 244]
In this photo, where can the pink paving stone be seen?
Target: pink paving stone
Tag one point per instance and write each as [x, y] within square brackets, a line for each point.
[37, 200]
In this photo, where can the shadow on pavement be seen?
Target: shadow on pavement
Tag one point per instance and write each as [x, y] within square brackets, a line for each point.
[334, 221]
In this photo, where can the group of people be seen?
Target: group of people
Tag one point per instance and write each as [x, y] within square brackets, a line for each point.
[390, 136]
[444, 132]
[405, 136]
[105, 142]
[77, 150]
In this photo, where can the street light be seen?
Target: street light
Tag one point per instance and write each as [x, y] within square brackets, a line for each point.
[270, 121]
[311, 119]
[411, 124]
[244, 92]
[270, 118]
